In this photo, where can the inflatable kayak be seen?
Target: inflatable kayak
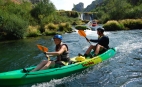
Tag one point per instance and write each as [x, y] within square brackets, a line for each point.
[18, 77]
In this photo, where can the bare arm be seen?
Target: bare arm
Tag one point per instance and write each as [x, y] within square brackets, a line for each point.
[63, 48]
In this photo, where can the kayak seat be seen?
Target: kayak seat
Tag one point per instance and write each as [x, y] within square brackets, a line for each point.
[80, 58]
[72, 62]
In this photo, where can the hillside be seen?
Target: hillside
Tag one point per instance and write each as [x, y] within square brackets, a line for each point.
[80, 6]
[19, 1]
[16, 1]
[93, 5]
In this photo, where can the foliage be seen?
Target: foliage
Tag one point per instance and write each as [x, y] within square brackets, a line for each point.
[73, 14]
[134, 12]
[42, 11]
[118, 10]
[113, 25]
[81, 27]
[132, 23]
[48, 32]
[64, 27]
[52, 27]
[18, 10]
[33, 31]
[14, 27]
[16, 17]
[123, 24]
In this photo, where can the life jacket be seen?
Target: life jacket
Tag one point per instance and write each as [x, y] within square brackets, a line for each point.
[64, 56]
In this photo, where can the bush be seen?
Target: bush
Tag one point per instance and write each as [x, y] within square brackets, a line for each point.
[134, 13]
[113, 25]
[33, 31]
[65, 27]
[48, 32]
[68, 27]
[14, 27]
[80, 27]
[132, 23]
[52, 26]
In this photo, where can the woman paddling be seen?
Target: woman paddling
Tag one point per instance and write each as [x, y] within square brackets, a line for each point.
[62, 53]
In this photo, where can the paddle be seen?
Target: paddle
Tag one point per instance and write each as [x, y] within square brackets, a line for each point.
[82, 33]
[43, 49]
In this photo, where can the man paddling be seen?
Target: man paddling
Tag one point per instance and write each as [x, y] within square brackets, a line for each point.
[100, 47]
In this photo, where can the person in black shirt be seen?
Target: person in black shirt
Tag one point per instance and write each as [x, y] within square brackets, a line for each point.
[101, 46]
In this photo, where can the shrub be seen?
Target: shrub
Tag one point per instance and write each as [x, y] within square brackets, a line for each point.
[52, 26]
[65, 27]
[68, 27]
[14, 27]
[132, 23]
[61, 26]
[113, 25]
[33, 31]
[80, 27]
[48, 32]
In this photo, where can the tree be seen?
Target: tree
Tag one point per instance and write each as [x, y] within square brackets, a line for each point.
[43, 9]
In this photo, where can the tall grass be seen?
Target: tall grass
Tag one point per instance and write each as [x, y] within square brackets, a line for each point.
[132, 23]
[127, 24]
[33, 31]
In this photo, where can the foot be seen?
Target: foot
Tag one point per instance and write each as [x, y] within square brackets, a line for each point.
[94, 55]
[86, 55]
[25, 71]
[79, 54]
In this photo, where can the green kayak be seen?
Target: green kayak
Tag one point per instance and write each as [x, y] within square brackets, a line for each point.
[18, 77]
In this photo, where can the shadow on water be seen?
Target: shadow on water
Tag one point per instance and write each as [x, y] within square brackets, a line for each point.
[122, 70]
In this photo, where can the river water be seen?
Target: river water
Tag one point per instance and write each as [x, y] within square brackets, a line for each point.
[122, 70]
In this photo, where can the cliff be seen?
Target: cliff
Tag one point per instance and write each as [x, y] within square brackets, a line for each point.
[79, 7]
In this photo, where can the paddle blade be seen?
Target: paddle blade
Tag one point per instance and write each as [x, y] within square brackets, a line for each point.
[42, 48]
[82, 33]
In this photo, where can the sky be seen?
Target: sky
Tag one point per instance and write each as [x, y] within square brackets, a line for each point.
[68, 4]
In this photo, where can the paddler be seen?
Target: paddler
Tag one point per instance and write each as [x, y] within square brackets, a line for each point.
[62, 53]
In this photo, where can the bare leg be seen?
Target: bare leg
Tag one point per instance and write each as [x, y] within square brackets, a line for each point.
[98, 48]
[40, 65]
[89, 49]
[49, 64]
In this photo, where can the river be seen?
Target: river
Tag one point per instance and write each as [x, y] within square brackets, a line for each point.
[122, 70]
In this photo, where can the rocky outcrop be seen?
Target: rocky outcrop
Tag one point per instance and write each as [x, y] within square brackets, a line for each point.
[79, 7]
[93, 5]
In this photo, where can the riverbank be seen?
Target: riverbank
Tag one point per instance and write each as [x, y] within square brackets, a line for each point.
[61, 28]
[126, 24]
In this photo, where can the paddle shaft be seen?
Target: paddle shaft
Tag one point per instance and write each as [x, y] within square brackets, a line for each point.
[82, 33]
[88, 40]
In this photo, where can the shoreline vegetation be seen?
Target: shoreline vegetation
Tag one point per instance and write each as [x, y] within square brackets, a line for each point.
[22, 20]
